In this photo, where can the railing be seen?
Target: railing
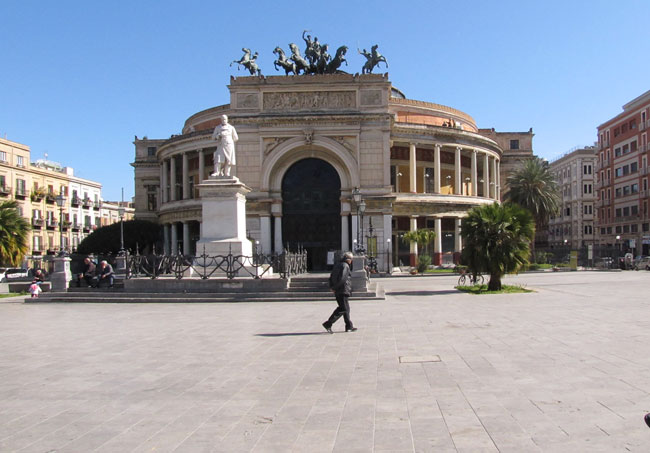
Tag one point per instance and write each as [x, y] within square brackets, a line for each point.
[4, 190]
[21, 192]
[37, 222]
[206, 266]
[87, 203]
[75, 201]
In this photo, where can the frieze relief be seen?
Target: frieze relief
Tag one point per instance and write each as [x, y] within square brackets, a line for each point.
[247, 101]
[271, 143]
[312, 100]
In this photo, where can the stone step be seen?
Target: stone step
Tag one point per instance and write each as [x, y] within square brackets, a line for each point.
[121, 297]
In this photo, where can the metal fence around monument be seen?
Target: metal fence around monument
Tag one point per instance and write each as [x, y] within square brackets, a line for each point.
[204, 266]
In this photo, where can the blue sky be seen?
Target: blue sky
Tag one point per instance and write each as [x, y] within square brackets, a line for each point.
[80, 79]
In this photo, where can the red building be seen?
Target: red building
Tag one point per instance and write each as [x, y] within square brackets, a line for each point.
[622, 178]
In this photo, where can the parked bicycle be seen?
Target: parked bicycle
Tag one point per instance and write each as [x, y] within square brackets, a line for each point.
[467, 278]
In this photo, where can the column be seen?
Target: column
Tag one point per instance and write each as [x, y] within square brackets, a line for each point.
[457, 171]
[186, 238]
[414, 245]
[172, 177]
[498, 176]
[437, 244]
[166, 239]
[412, 169]
[186, 177]
[474, 173]
[486, 176]
[436, 165]
[265, 234]
[277, 247]
[164, 181]
[458, 241]
[174, 244]
[355, 229]
[345, 232]
[494, 178]
[201, 165]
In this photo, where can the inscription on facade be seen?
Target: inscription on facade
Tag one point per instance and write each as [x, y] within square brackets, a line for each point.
[313, 100]
[247, 100]
[371, 97]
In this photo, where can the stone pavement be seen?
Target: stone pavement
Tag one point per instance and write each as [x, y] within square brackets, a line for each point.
[565, 369]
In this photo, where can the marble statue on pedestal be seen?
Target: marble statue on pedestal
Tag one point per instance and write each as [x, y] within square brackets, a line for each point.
[224, 157]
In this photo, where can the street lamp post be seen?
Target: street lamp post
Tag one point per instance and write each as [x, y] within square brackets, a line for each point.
[60, 202]
[389, 262]
[361, 208]
[120, 212]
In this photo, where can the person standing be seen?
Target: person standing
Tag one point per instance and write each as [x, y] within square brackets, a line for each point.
[340, 283]
[225, 136]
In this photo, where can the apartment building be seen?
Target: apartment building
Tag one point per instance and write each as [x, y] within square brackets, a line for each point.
[36, 186]
[574, 226]
[622, 178]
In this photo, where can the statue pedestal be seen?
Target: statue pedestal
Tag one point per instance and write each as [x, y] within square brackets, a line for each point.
[359, 276]
[223, 232]
[60, 278]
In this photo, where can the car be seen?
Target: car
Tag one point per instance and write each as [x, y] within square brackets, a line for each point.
[2, 273]
[642, 262]
[15, 274]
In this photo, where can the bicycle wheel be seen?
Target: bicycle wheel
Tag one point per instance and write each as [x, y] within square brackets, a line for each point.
[462, 281]
[480, 279]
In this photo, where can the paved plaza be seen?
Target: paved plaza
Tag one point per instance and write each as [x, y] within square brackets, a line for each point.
[564, 369]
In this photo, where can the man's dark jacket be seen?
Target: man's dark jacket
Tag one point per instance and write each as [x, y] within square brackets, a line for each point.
[341, 278]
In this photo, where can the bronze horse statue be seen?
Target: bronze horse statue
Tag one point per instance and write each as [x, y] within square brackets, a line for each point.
[248, 62]
[334, 65]
[284, 62]
[373, 59]
[301, 63]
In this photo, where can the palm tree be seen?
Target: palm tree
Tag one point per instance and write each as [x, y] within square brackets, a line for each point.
[533, 187]
[422, 238]
[496, 240]
[13, 234]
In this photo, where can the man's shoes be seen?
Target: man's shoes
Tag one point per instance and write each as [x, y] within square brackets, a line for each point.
[351, 329]
[329, 329]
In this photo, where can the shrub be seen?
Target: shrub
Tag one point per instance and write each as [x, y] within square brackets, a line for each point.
[424, 261]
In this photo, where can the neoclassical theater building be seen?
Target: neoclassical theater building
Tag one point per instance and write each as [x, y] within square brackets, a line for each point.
[306, 142]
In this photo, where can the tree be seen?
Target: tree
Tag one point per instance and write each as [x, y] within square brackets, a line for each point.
[141, 233]
[496, 240]
[14, 230]
[422, 238]
[533, 187]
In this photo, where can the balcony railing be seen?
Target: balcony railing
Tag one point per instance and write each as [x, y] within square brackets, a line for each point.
[52, 223]
[37, 222]
[604, 144]
[21, 192]
[75, 201]
[76, 226]
[4, 191]
[87, 203]
[643, 125]
[87, 228]
[66, 224]
[97, 204]
[50, 198]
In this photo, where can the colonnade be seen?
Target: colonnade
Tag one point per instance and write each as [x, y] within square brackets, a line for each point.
[169, 176]
[491, 181]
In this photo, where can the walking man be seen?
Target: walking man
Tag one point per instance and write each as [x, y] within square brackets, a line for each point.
[341, 285]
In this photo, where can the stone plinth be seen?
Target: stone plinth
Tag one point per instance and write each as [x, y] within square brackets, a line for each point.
[223, 200]
[359, 275]
[61, 276]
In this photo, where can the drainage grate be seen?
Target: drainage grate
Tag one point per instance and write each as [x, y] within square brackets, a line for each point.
[418, 359]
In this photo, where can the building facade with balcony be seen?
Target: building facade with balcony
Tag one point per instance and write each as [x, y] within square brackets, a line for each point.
[35, 187]
[574, 226]
[622, 178]
[305, 143]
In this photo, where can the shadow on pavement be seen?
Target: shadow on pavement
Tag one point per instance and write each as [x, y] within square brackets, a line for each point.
[421, 293]
[290, 334]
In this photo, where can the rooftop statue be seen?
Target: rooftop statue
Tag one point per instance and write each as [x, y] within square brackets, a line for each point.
[373, 59]
[248, 62]
[284, 62]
